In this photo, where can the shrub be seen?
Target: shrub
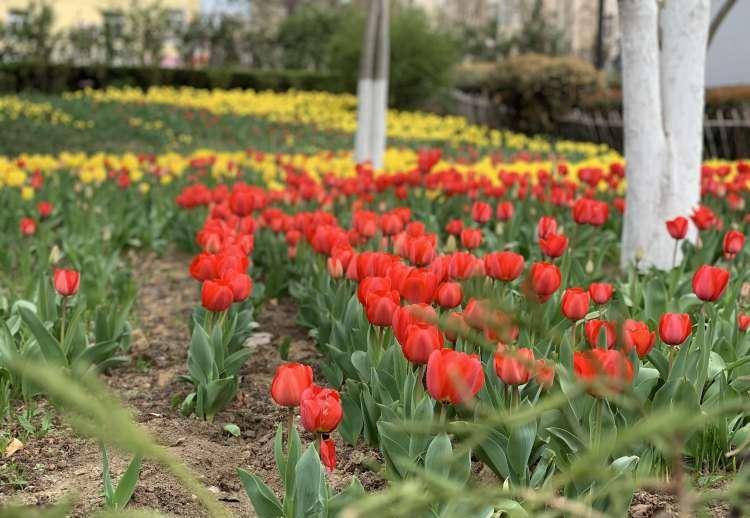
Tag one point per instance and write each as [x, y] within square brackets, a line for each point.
[15, 77]
[421, 60]
[538, 89]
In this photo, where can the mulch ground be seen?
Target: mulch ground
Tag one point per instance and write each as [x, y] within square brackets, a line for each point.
[60, 463]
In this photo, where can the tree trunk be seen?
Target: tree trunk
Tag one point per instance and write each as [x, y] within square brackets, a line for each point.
[663, 117]
[372, 87]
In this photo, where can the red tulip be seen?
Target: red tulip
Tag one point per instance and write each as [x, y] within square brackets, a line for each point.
[421, 340]
[545, 279]
[575, 303]
[404, 316]
[544, 373]
[462, 265]
[605, 371]
[335, 268]
[546, 227]
[328, 454]
[471, 238]
[743, 322]
[66, 281]
[419, 286]
[454, 377]
[481, 212]
[636, 335]
[674, 328]
[554, 245]
[504, 211]
[678, 227]
[734, 240]
[27, 226]
[514, 367]
[421, 250]
[454, 227]
[590, 212]
[601, 292]
[593, 330]
[455, 326]
[709, 282]
[44, 209]
[449, 295]
[241, 285]
[290, 380]
[320, 409]
[704, 218]
[391, 224]
[380, 305]
[204, 267]
[372, 284]
[217, 295]
[504, 266]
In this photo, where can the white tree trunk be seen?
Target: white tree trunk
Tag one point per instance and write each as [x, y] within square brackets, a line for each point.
[663, 116]
[372, 87]
[684, 30]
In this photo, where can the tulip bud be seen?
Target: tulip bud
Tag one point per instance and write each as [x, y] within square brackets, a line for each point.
[674, 328]
[320, 409]
[290, 380]
[328, 454]
[709, 282]
[575, 303]
[454, 377]
[335, 268]
[66, 281]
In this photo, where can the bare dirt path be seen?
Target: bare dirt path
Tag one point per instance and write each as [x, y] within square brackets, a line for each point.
[60, 463]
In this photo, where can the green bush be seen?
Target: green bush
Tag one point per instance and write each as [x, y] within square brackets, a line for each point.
[16, 77]
[421, 57]
[537, 90]
[304, 36]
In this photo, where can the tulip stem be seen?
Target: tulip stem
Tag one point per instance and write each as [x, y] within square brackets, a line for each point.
[290, 428]
[62, 322]
[317, 442]
[598, 422]
[674, 253]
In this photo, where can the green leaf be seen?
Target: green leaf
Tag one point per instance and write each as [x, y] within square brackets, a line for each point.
[439, 455]
[351, 426]
[351, 494]
[109, 491]
[310, 494]
[232, 429]
[264, 502]
[126, 486]
[200, 356]
[520, 444]
[492, 452]
[234, 362]
[48, 344]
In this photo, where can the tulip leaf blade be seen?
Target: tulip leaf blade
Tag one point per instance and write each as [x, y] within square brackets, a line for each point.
[48, 344]
[264, 502]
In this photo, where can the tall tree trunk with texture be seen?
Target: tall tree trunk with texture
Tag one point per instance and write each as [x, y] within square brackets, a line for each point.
[663, 98]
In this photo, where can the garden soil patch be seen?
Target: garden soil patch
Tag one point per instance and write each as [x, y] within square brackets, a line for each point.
[60, 463]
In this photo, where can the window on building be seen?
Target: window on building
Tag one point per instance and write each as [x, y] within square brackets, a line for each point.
[175, 20]
[17, 19]
[114, 22]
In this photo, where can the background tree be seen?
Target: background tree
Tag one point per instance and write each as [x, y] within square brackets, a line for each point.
[663, 97]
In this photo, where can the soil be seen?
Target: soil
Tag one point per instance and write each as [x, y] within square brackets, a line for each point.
[61, 464]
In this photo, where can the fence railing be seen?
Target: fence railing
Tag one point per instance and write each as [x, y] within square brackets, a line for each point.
[726, 131]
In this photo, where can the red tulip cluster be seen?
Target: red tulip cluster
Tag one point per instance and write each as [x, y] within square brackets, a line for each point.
[320, 408]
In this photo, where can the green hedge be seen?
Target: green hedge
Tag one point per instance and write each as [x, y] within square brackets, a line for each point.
[17, 77]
